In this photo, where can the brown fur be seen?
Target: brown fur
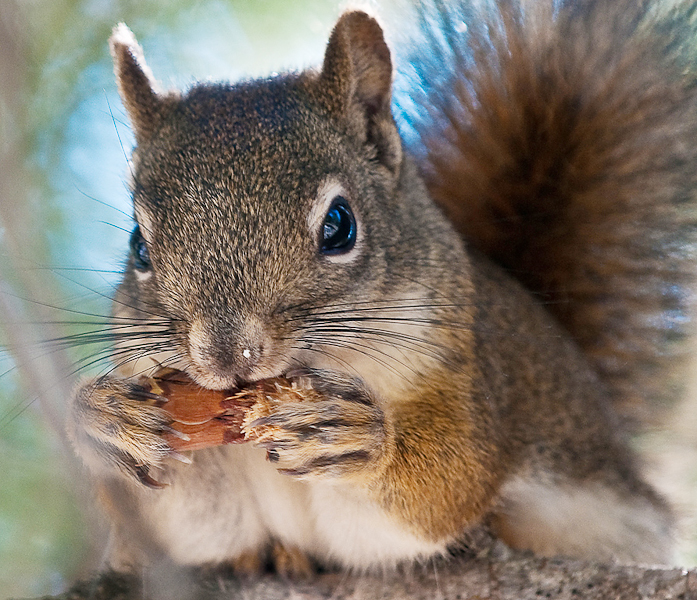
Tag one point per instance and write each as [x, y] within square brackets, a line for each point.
[566, 153]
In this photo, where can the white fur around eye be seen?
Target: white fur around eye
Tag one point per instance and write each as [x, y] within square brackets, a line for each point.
[143, 275]
[145, 223]
[328, 190]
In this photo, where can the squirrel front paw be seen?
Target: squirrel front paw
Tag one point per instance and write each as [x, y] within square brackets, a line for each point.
[338, 432]
[118, 425]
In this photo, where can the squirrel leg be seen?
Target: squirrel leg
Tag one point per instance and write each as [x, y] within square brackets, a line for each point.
[413, 457]
[286, 560]
[291, 562]
[337, 436]
[585, 519]
[117, 426]
[248, 564]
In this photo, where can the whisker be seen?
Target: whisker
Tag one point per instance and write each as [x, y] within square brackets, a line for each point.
[363, 349]
[409, 341]
[107, 334]
[98, 201]
[110, 353]
[68, 310]
[130, 357]
[320, 351]
[118, 135]
[139, 304]
[15, 412]
[421, 321]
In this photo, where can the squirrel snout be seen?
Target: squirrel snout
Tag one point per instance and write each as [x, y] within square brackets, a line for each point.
[225, 355]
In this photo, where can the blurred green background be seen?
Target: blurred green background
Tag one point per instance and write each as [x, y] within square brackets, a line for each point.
[64, 226]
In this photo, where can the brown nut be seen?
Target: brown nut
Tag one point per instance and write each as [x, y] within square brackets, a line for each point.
[204, 418]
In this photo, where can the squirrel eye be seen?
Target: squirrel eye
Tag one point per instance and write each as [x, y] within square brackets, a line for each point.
[339, 228]
[139, 249]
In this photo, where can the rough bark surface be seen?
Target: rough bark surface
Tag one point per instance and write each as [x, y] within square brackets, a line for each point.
[500, 574]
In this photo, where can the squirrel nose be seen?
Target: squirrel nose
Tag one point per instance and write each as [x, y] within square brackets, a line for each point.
[227, 352]
[249, 356]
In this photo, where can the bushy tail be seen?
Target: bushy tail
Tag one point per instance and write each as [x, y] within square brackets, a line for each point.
[561, 138]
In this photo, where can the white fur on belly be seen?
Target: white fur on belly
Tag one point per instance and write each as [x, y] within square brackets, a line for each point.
[356, 533]
[249, 503]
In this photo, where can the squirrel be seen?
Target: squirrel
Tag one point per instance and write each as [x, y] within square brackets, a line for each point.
[481, 277]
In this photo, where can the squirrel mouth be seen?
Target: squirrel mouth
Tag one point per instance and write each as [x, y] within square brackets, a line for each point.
[217, 380]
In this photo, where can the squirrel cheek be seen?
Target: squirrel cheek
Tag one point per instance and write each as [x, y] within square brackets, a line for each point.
[198, 343]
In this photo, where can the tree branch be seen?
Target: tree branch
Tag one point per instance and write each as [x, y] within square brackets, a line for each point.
[500, 574]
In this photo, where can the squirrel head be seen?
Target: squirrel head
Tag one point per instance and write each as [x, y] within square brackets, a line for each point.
[265, 206]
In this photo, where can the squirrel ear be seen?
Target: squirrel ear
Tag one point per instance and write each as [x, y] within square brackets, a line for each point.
[139, 91]
[356, 80]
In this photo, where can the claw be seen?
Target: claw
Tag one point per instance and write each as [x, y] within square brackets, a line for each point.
[301, 377]
[299, 372]
[144, 477]
[176, 433]
[261, 422]
[180, 457]
[144, 395]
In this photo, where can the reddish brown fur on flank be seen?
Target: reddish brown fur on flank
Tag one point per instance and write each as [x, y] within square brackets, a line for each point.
[570, 165]
[435, 503]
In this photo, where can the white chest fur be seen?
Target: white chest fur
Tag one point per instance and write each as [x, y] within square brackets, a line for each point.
[231, 500]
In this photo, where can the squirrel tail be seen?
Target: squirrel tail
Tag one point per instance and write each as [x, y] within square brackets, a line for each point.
[560, 136]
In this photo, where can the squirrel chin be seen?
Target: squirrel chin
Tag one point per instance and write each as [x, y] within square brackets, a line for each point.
[213, 381]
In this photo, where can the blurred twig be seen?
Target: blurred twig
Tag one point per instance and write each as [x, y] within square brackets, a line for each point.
[43, 377]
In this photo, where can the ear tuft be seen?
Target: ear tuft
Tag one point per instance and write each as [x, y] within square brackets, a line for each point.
[138, 88]
[122, 35]
[357, 81]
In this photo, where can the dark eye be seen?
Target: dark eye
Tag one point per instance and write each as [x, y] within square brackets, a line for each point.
[139, 249]
[339, 228]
